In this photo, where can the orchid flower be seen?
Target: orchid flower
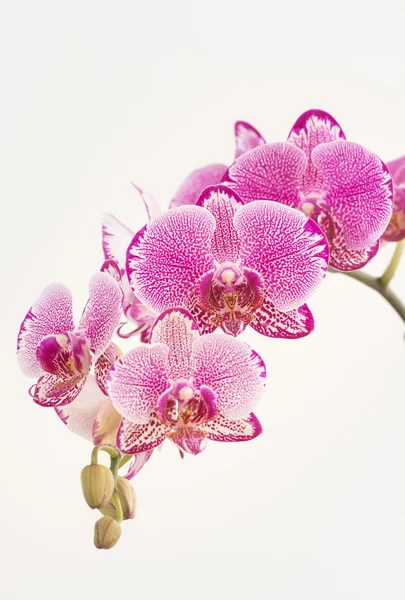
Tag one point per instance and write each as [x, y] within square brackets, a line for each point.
[51, 348]
[185, 388]
[395, 231]
[345, 188]
[190, 190]
[231, 264]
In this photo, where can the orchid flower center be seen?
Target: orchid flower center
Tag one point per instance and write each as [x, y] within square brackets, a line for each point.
[66, 355]
[232, 293]
[184, 409]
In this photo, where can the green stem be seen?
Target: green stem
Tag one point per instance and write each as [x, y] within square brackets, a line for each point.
[118, 508]
[393, 265]
[377, 285]
[125, 459]
[111, 450]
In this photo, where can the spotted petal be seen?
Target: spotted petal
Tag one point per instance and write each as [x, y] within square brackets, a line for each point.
[222, 203]
[246, 138]
[102, 364]
[136, 380]
[102, 313]
[138, 462]
[133, 438]
[79, 416]
[53, 390]
[274, 323]
[289, 251]
[221, 429]
[51, 313]
[269, 172]
[312, 128]
[177, 330]
[166, 258]
[396, 228]
[191, 188]
[232, 370]
[116, 239]
[358, 191]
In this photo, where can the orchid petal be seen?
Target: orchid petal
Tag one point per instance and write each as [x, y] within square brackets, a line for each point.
[201, 316]
[168, 255]
[274, 323]
[79, 415]
[222, 203]
[102, 312]
[51, 313]
[177, 330]
[106, 424]
[133, 438]
[102, 364]
[396, 228]
[65, 355]
[136, 380]
[138, 462]
[116, 239]
[53, 390]
[269, 172]
[358, 191]
[192, 441]
[151, 204]
[221, 429]
[191, 188]
[111, 267]
[289, 250]
[246, 138]
[312, 128]
[232, 370]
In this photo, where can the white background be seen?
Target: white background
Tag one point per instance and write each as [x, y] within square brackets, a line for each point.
[96, 94]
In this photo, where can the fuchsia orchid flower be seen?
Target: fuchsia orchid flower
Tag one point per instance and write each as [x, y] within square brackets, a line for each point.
[345, 188]
[231, 265]
[395, 231]
[191, 189]
[186, 388]
[51, 348]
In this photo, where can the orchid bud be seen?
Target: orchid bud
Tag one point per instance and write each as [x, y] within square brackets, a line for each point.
[107, 532]
[126, 495]
[97, 485]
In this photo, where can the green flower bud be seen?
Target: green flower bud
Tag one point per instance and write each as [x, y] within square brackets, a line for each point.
[97, 485]
[107, 532]
[126, 495]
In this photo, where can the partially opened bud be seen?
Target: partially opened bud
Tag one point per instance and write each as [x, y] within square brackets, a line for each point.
[126, 495]
[97, 485]
[107, 532]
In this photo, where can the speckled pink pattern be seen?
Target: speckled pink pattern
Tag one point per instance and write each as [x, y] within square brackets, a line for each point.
[102, 313]
[227, 430]
[287, 325]
[232, 370]
[102, 364]
[177, 330]
[246, 138]
[194, 184]
[322, 172]
[287, 248]
[136, 380]
[53, 390]
[133, 438]
[222, 204]
[396, 228]
[50, 314]
[168, 255]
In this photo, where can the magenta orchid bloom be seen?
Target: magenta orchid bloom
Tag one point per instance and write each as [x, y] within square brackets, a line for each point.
[231, 265]
[186, 388]
[395, 231]
[51, 348]
[191, 189]
[345, 188]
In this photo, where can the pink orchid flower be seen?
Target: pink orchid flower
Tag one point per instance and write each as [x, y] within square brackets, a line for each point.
[186, 388]
[345, 188]
[231, 265]
[51, 348]
[396, 228]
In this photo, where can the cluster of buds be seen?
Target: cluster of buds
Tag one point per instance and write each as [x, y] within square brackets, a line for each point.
[111, 494]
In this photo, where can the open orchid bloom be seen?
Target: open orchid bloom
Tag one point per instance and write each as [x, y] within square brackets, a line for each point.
[51, 348]
[231, 265]
[186, 388]
[396, 228]
[345, 188]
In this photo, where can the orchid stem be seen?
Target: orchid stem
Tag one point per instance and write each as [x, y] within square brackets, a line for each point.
[113, 452]
[393, 264]
[125, 459]
[376, 284]
[118, 508]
